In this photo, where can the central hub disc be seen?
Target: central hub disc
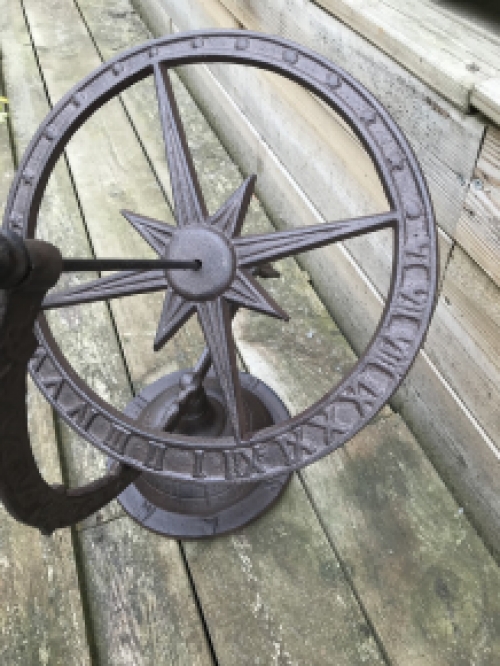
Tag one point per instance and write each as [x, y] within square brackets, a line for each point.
[218, 263]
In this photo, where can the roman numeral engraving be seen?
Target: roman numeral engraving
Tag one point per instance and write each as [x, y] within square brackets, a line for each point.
[390, 353]
[16, 223]
[411, 302]
[198, 472]
[294, 447]
[145, 511]
[38, 358]
[414, 298]
[243, 464]
[116, 438]
[332, 427]
[82, 414]
[53, 386]
[156, 456]
[418, 247]
[361, 395]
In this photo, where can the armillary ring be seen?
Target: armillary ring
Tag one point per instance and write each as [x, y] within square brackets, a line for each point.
[224, 278]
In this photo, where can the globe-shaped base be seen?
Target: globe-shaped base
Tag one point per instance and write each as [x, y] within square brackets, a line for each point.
[195, 510]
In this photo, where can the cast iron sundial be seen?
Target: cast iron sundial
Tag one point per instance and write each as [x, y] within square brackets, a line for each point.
[204, 451]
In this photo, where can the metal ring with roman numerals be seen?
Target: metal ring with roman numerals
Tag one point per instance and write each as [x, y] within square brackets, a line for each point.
[225, 281]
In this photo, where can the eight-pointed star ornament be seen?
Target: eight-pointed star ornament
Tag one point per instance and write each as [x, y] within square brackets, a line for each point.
[223, 281]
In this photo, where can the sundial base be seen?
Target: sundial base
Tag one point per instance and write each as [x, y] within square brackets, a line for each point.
[192, 510]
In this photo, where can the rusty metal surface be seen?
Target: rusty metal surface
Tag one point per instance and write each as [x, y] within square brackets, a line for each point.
[225, 280]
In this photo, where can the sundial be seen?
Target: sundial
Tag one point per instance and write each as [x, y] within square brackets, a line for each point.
[203, 451]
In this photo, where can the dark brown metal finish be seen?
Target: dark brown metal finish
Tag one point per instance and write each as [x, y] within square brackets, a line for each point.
[23, 491]
[194, 510]
[225, 282]
[14, 260]
[69, 265]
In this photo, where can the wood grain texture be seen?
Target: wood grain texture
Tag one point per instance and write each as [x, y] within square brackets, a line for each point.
[422, 573]
[140, 605]
[464, 342]
[184, 636]
[274, 593]
[42, 620]
[486, 98]
[446, 142]
[422, 569]
[478, 230]
[450, 56]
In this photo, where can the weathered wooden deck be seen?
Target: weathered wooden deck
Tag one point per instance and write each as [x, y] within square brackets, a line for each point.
[367, 559]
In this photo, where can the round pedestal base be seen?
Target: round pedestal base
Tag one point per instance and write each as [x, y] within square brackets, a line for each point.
[196, 510]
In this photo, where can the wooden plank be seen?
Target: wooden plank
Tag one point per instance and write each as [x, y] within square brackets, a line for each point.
[486, 98]
[464, 341]
[478, 227]
[141, 603]
[167, 633]
[269, 629]
[42, 620]
[446, 143]
[451, 57]
[458, 447]
[484, 16]
[421, 568]
[274, 594]
[417, 565]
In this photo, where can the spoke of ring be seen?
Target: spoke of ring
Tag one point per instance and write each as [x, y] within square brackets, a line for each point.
[247, 292]
[116, 285]
[253, 250]
[188, 199]
[215, 319]
[229, 219]
[155, 232]
[176, 311]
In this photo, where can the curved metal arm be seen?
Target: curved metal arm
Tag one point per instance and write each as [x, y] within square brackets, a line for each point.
[35, 266]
